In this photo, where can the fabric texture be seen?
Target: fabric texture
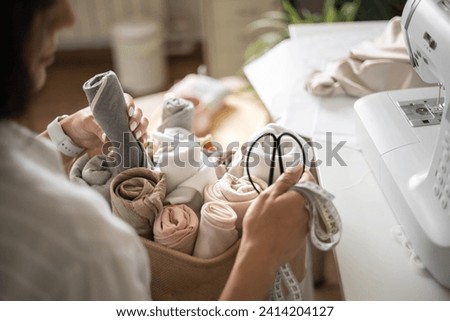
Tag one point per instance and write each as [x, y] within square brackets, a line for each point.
[105, 96]
[235, 192]
[177, 112]
[176, 228]
[58, 244]
[179, 276]
[137, 196]
[96, 172]
[180, 156]
[217, 231]
[373, 66]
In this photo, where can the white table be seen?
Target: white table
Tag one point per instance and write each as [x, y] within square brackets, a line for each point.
[372, 265]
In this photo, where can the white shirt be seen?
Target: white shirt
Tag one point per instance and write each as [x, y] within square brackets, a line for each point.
[58, 240]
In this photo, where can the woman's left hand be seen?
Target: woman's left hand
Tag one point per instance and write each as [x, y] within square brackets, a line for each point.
[84, 130]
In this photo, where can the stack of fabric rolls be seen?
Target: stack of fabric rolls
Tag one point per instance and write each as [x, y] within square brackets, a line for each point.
[174, 197]
[179, 195]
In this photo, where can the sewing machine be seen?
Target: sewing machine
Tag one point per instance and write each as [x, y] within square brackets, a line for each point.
[405, 138]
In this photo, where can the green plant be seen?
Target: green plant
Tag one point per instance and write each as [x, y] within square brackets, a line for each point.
[272, 27]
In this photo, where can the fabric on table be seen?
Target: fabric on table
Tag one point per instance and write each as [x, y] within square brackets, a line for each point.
[235, 192]
[137, 196]
[105, 96]
[96, 172]
[373, 66]
[176, 228]
[261, 154]
[217, 231]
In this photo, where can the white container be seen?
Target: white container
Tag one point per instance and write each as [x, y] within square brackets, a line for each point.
[139, 56]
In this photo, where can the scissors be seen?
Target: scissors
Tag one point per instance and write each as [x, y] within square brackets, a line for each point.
[276, 143]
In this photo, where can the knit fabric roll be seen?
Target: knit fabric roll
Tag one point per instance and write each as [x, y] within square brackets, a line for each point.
[180, 156]
[262, 151]
[190, 192]
[176, 227]
[238, 193]
[217, 231]
[96, 172]
[137, 196]
[373, 66]
[176, 112]
[105, 95]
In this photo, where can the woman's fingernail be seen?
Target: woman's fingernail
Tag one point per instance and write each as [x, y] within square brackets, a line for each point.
[133, 126]
[104, 137]
[138, 134]
[131, 111]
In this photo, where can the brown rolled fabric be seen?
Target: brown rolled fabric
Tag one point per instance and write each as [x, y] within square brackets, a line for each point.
[176, 228]
[137, 196]
[238, 193]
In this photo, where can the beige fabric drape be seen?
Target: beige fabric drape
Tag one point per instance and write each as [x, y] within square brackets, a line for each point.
[373, 66]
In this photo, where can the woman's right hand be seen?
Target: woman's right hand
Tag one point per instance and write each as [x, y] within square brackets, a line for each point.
[277, 222]
[275, 227]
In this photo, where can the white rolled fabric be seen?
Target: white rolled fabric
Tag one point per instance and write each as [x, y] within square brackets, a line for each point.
[217, 230]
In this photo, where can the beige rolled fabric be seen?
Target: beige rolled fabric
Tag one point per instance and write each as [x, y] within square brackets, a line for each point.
[238, 193]
[137, 196]
[176, 227]
[217, 231]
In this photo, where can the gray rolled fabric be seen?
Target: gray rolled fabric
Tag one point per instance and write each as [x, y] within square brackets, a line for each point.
[177, 112]
[96, 172]
[105, 96]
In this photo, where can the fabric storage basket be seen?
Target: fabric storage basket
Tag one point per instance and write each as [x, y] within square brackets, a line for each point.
[179, 276]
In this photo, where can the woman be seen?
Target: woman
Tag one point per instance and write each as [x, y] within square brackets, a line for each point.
[59, 241]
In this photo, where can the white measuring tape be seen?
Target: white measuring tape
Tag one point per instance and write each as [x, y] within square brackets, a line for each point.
[325, 232]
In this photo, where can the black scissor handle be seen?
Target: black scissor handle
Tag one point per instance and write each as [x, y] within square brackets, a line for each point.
[277, 151]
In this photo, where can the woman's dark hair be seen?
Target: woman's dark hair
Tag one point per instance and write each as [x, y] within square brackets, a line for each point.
[17, 84]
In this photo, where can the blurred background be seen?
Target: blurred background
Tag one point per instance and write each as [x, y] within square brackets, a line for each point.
[152, 44]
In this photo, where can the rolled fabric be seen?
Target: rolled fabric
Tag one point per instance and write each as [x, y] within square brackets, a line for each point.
[190, 192]
[238, 193]
[179, 157]
[137, 196]
[176, 112]
[105, 96]
[377, 65]
[217, 231]
[96, 172]
[177, 227]
[261, 154]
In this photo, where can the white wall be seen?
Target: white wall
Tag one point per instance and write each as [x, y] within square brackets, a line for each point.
[94, 18]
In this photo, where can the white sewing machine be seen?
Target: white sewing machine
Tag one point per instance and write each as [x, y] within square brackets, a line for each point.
[405, 137]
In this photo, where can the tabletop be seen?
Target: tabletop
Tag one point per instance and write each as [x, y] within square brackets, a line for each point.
[372, 264]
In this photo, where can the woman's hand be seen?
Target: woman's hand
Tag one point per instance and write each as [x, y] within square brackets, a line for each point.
[274, 232]
[277, 222]
[84, 130]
